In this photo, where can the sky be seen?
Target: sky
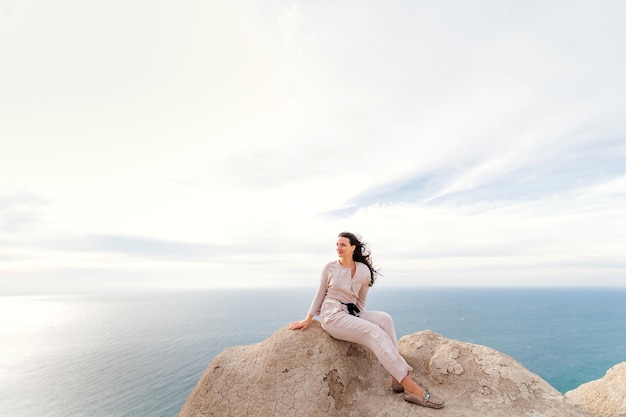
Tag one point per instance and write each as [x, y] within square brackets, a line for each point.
[203, 144]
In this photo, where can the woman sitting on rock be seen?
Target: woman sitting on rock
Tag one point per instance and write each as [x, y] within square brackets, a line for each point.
[340, 301]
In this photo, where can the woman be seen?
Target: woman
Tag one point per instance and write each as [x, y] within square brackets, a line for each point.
[340, 301]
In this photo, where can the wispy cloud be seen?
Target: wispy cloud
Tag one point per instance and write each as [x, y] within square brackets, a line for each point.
[143, 247]
[509, 178]
[19, 210]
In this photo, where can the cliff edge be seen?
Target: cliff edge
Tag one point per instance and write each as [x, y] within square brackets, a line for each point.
[605, 396]
[310, 374]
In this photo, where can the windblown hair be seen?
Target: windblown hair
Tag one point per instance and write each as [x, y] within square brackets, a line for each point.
[362, 254]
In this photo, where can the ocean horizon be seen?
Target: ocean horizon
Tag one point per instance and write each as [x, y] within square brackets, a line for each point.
[140, 354]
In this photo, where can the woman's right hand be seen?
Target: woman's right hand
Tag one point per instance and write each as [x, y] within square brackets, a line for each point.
[301, 324]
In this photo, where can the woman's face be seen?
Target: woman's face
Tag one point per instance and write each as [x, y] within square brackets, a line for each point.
[344, 248]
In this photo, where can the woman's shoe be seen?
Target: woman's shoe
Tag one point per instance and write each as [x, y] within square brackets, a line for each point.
[396, 386]
[427, 400]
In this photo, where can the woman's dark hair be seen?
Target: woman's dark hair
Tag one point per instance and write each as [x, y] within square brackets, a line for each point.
[361, 254]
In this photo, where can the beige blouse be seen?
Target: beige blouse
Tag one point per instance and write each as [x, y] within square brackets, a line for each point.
[337, 285]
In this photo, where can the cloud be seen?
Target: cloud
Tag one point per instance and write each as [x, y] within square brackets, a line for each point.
[20, 210]
[138, 248]
[236, 140]
[524, 176]
[143, 247]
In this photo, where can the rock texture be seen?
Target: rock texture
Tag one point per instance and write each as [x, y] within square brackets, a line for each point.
[310, 374]
[605, 396]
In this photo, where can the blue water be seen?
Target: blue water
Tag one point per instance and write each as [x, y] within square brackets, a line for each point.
[114, 355]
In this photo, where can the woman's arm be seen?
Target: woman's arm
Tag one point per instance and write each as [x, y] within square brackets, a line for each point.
[316, 305]
[362, 296]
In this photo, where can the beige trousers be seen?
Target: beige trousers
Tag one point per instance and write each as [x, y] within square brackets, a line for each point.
[373, 329]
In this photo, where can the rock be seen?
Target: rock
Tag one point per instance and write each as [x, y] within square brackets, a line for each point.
[310, 374]
[605, 396]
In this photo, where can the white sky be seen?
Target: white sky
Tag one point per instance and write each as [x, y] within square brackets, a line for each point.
[185, 144]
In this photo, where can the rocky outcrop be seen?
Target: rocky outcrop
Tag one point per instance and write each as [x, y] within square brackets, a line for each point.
[310, 374]
[605, 396]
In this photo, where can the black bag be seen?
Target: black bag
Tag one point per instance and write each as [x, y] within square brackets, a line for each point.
[352, 308]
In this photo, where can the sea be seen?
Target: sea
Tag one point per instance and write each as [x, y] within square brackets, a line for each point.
[140, 354]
